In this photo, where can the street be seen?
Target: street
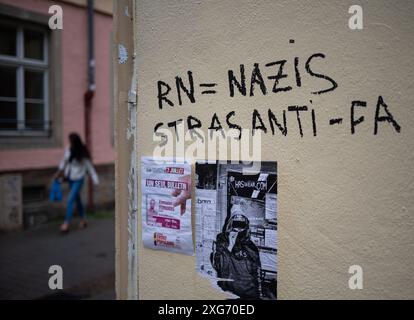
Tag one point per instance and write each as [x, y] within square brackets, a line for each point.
[86, 257]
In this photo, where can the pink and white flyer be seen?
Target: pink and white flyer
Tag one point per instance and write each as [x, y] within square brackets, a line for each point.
[166, 205]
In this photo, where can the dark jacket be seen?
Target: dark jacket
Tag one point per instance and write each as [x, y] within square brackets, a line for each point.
[242, 265]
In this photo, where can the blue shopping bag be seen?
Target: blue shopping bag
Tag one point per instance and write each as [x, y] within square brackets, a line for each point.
[56, 191]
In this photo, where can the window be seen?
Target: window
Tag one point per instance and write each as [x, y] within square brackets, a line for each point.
[34, 194]
[24, 78]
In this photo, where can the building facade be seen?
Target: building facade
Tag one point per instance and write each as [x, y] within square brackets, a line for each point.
[44, 80]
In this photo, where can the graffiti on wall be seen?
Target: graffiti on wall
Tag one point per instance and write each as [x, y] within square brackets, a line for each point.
[277, 78]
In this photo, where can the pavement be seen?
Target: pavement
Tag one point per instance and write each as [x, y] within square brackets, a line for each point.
[85, 255]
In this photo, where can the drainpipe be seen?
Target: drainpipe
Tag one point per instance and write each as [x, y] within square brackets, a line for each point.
[89, 94]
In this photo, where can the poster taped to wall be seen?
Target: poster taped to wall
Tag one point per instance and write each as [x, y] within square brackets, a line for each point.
[236, 227]
[166, 205]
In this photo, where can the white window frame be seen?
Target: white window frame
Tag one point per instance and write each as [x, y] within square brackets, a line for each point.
[21, 64]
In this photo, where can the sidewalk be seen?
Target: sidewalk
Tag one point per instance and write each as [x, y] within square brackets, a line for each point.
[86, 257]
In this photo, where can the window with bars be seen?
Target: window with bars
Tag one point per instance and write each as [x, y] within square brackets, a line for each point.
[24, 79]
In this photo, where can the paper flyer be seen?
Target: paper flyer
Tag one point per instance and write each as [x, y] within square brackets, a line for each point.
[236, 227]
[166, 205]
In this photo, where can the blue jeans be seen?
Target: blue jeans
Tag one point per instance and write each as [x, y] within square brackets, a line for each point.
[74, 196]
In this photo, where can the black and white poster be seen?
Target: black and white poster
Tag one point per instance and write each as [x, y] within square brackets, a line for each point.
[236, 227]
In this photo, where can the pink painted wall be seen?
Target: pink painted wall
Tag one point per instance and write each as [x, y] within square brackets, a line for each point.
[74, 85]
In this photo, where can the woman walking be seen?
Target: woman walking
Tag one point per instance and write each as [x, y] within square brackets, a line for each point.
[76, 163]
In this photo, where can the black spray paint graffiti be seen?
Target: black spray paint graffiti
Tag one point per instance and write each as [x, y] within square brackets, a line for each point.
[264, 81]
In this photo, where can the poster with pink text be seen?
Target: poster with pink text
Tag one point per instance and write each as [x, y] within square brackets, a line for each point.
[166, 205]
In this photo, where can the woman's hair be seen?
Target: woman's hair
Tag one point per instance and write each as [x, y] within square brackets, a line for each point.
[78, 150]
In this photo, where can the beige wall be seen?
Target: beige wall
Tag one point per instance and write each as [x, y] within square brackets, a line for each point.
[343, 199]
